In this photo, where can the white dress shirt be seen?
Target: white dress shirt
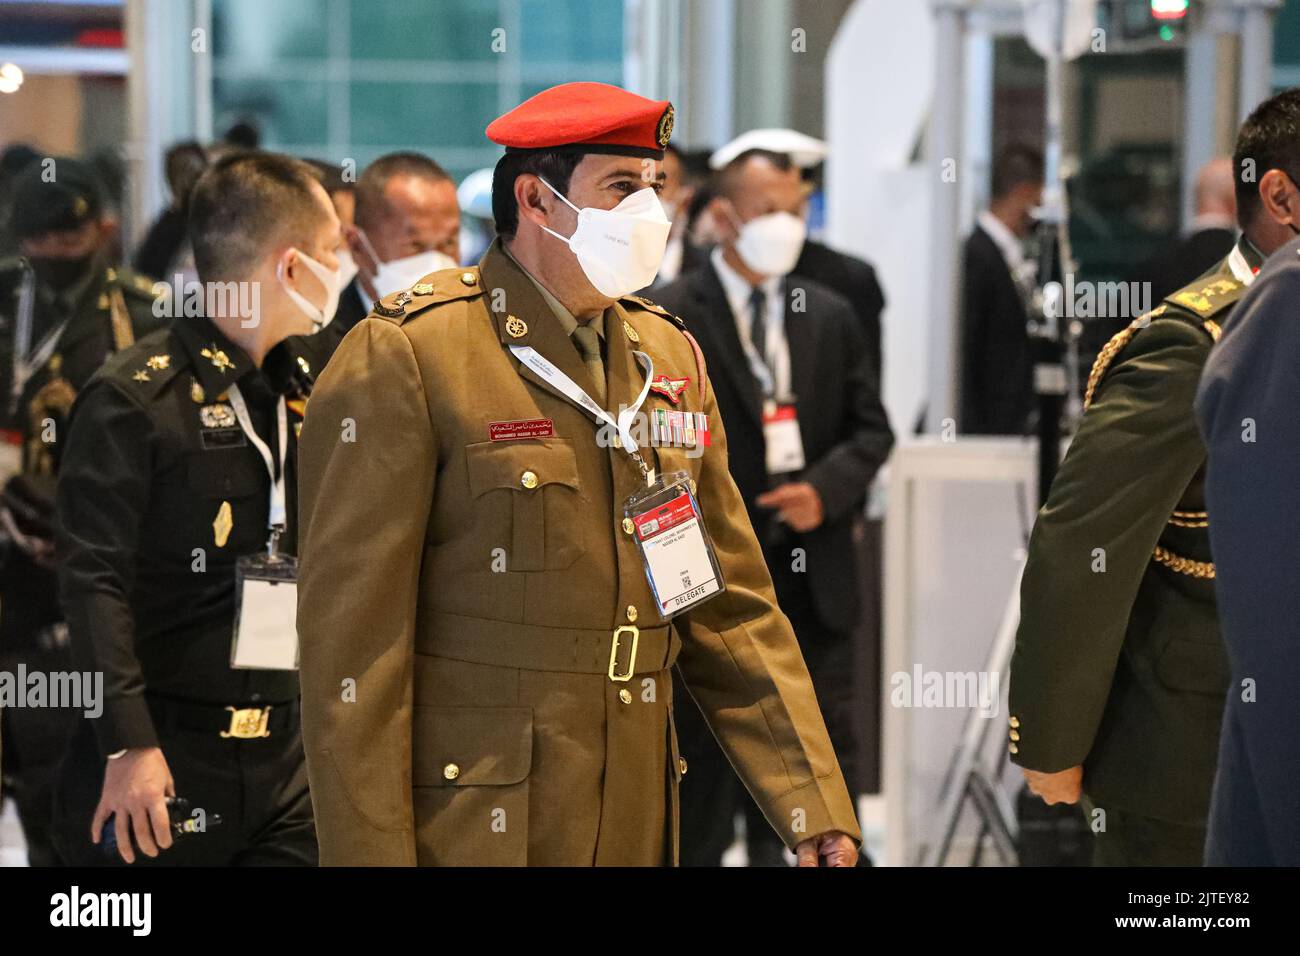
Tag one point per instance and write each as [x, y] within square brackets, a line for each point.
[777, 348]
[1023, 272]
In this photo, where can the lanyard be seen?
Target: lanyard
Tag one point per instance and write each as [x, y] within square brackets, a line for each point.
[276, 520]
[1240, 267]
[25, 365]
[578, 395]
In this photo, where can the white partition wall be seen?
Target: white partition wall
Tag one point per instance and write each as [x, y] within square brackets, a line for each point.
[954, 537]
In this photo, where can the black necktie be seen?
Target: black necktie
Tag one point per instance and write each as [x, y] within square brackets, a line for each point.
[758, 326]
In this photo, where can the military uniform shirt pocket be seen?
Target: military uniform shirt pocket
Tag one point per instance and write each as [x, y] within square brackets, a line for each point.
[529, 492]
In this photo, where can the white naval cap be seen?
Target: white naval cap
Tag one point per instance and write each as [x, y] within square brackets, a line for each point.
[474, 194]
[803, 150]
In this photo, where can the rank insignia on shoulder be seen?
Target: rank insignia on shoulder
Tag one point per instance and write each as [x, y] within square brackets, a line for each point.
[218, 416]
[422, 288]
[197, 395]
[159, 362]
[140, 376]
[679, 429]
[397, 309]
[670, 388]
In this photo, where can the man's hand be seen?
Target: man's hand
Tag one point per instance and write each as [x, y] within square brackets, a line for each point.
[136, 786]
[837, 848]
[1064, 786]
[798, 503]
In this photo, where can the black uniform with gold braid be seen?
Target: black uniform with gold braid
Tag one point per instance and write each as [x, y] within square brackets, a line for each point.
[1119, 665]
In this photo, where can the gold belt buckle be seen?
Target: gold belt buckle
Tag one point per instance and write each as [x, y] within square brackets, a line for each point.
[248, 723]
[613, 654]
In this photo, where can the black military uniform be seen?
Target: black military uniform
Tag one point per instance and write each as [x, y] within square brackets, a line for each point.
[161, 492]
[60, 329]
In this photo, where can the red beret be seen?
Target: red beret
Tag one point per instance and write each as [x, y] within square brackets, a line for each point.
[597, 117]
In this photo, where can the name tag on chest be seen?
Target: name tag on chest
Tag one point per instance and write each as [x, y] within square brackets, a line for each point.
[213, 439]
[266, 629]
[783, 440]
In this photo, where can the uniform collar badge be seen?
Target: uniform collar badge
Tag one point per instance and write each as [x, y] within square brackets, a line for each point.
[670, 388]
[219, 359]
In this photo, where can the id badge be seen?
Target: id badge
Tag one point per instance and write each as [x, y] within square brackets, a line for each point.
[781, 435]
[675, 547]
[266, 613]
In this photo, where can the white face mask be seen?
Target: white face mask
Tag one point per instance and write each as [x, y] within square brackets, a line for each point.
[397, 275]
[319, 314]
[771, 244]
[619, 249]
[347, 266]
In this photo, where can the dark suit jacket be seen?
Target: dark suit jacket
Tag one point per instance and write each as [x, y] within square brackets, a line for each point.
[856, 281]
[1179, 263]
[845, 431]
[997, 393]
[1246, 408]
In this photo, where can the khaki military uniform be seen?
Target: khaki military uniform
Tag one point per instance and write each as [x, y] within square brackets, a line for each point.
[1119, 665]
[464, 602]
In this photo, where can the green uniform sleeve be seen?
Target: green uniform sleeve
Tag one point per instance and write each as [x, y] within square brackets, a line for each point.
[1135, 453]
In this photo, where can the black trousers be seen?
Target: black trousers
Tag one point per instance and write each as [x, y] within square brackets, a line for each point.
[711, 792]
[1131, 839]
[35, 738]
[258, 787]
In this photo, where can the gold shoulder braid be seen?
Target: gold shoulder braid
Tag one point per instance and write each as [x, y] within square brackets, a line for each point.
[1107, 355]
[51, 403]
[123, 332]
[1179, 519]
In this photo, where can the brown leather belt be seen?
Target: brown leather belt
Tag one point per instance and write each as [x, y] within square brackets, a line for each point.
[619, 652]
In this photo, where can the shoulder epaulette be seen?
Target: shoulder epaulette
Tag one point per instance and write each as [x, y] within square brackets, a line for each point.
[148, 365]
[131, 283]
[435, 289]
[1206, 299]
[1195, 304]
[655, 308]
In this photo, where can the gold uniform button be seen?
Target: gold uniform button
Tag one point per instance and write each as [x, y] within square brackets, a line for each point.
[625, 696]
[628, 526]
[1015, 722]
[1014, 749]
[681, 766]
[451, 771]
[631, 613]
[1015, 735]
[468, 278]
[528, 479]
